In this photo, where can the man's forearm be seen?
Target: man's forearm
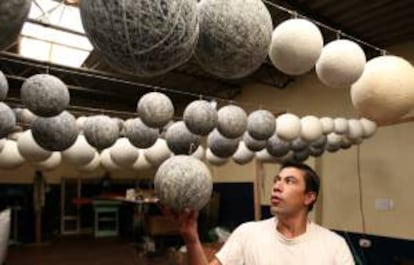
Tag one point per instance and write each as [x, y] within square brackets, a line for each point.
[195, 253]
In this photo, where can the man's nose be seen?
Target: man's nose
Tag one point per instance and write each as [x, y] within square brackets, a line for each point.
[278, 186]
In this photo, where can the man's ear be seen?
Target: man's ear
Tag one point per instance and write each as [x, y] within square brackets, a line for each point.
[310, 197]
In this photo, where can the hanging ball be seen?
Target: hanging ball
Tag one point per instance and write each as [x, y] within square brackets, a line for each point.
[277, 147]
[288, 52]
[333, 143]
[4, 86]
[80, 122]
[13, 14]
[180, 140]
[2, 143]
[261, 124]
[10, 157]
[200, 117]
[139, 134]
[101, 131]
[369, 127]
[55, 133]
[45, 95]
[146, 38]
[199, 153]
[301, 156]
[385, 91]
[107, 162]
[93, 165]
[316, 151]
[80, 153]
[311, 128]
[215, 160]
[340, 125]
[320, 142]
[234, 37]
[288, 126]
[265, 156]
[221, 146]
[355, 129]
[346, 143]
[253, 144]
[141, 163]
[25, 116]
[157, 153]
[183, 182]
[232, 121]
[328, 125]
[7, 120]
[298, 144]
[341, 63]
[123, 153]
[30, 150]
[49, 164]
[243, 155]
[155, 109]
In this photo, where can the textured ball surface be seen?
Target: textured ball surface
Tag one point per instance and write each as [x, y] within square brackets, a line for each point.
[183, 182]
[199, 153]
[80, 153]
[45, 95]
[340, 125]
[340, 64]
[180, 140]
[123, 153]
[311, 128]
[355, 129]
[232, 121]
[264, 156]
[92, 165]
[147, 38]
[288, 126]
[141, 163]
[13, 14]
[296, 46]
[157, 153]
[299, 144]
[10, 157]
[333, 143]
[277, 147]
[107, 162]
[234, 37]
[7, 120]
[253, 144]
[261, 124]
[56, 133]
[51, 163]
[200, 117]
[385, 91]
[369, 127]
[243, 155]
[155, 109]
[221, 146]
[328, 125]
[30, 150]
[4, 86]
[101, 131]
[139, 134]
[215, 160]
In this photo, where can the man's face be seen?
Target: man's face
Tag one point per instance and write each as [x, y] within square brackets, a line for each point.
[288, 193]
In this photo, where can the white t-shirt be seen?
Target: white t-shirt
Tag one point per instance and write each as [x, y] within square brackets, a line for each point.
[259, 243]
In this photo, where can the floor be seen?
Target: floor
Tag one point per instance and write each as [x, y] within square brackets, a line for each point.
[89, 251]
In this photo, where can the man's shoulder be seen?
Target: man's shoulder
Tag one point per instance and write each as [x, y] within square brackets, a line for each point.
[253, 225]
[326, 233]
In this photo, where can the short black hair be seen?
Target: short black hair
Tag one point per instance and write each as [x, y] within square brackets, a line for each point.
[312, 180]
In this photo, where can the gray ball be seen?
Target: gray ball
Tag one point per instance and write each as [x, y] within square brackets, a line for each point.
[232, 121]
[13, 14]
[180, 140]
[253, 144]
[7, 120]
[261, 124]
[221, 146]
[4, 86]
[147, 38]
[316, 151]
[298, 144]
[183, 182]
[45, 95]
[277, 147]
[200, 117]
[301, 156]
[155, 109]
[320, 142]
[139, 134]
[55, 133]
[235, 36]
[101, 131]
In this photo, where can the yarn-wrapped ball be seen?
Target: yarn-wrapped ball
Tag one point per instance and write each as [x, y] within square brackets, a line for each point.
[340, 64]
[10, 157]
[92, 165]
[146, 38]
[155, 109]
[107, 162]
[30, 150]
[13, 14]
[157, 153]
[4, 86]
[45, 95]
[101, 131]
[80, 153]
[56, 133]
[234, 37]
[180, 140]
[265, 156]
[385, 91]
[277, 147]
[200, 117]
[25, 116]
[215, 160]
[333, 143]
[139, 134]
[7, 120]
[298, 144]
[320, 142]
[183, 182]
[328, 125]
[261, 124]
[253, 144]
[220, 145]
[80, 122]
[243, 154]
[340, 125]
[288, 126]
[346, 143]
[232, 121]
[316, 151]
[49, 164]
[123, 153]
[311, 128]
[355, 129]
[141, 163]
[369, 127]
[199, 153]
[287, 50]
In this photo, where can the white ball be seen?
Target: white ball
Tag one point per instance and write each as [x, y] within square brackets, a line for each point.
[311, 128]
[355, 129]
[232, 121]
[243, 155]
[265, 156]
[139, 134]
[333, 143]
[296, 46]
[369, 127]
[341, 63]
[107, 162]
[7, 120]
[385, 91]
[10, 157]
[261, 124]
[2, 143]
[4, 86]
[146, 38]
[328, 125]
[200, 117]
[180, 140]
[157, 153]
[123, 153]
[288, 126]
[49, 164]
[215, 160]
[199, 153]
[141, 163]
[80, 122]
[30, 150]
[221, 146]
[25, 117]
[80, 153]
[155, 109]
[92, 165]
[340, 125]
[234, 36]
[101, 131]
[183, 182]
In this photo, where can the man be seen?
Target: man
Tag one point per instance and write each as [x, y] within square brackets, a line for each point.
[288, 238]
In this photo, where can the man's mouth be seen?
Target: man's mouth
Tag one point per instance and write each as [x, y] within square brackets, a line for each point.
[275, 199]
